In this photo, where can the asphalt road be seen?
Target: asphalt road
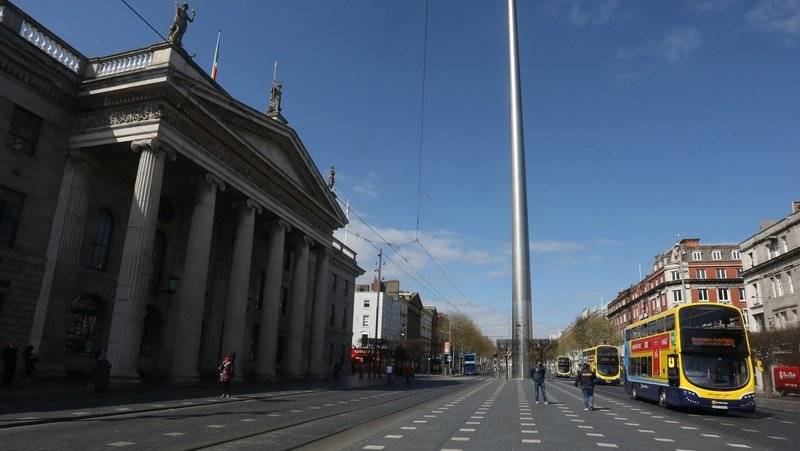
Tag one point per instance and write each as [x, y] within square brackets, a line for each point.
[474, 413]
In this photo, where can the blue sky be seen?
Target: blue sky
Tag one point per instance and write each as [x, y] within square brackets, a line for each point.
[643, 120]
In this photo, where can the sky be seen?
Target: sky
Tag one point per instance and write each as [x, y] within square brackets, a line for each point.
[643, 121]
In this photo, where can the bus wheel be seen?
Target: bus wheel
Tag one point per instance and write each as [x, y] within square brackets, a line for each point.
[634, 393]
[662, 398]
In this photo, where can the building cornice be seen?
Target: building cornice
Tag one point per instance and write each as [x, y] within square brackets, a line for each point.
[772, 263]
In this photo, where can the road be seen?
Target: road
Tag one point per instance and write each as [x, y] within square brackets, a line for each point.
[467, 413]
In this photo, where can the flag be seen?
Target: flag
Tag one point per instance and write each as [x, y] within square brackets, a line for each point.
[216, 58]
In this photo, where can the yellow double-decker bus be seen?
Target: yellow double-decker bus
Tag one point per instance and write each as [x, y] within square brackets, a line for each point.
[563, 366]
[604, 361]
[694, 355]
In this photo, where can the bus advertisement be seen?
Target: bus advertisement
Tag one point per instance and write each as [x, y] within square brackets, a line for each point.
[604, 361]
[694, 355]
[563, 367]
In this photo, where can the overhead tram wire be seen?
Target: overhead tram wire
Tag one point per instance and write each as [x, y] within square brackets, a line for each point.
[422, 114]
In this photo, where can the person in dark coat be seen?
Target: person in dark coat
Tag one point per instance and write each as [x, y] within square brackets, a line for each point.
[10, 354]
[585, 380]
[537, 374]
[102, 373]
[30, 360]
[225, 371]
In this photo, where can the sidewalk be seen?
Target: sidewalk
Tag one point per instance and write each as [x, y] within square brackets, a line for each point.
[44, 402]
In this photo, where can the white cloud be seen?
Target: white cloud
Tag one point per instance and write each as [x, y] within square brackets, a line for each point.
[556, 246]
[780, 17]
[367, 187]
[672, 49]
[607, 242]
[580, 13]
[572, 260]
[711, 6]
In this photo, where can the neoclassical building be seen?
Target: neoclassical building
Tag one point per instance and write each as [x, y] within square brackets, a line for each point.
[146, 213]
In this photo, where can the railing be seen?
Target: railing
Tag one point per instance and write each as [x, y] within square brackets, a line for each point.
[49, 46]
[344, 249]
[124, 64]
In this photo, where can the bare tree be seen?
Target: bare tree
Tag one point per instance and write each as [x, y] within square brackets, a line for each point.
[504, 348]
[774, 347]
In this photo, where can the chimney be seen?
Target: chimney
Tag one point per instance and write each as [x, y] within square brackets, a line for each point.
[795, 206]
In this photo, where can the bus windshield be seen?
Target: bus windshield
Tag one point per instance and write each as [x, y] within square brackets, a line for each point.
[563, 364]
[607, 361]
[714, 347]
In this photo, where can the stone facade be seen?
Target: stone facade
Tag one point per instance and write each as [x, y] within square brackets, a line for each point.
[690, 271]
[771, 271]
[147, 213]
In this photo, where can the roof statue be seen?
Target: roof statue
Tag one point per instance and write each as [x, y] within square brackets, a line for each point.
[332, 178]
[275, 95]
[180, 23]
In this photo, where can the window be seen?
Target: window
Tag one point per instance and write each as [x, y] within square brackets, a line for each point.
[262, 280]
[722, 294]
[344, 319]
[784, 246]
[779, 284]
[772, 283]
[701, 273]
[720, 273]
[702, 294]
[716, 255]
[332, 317]
[736, 255]
[790, 283]
[365, 321]
[24, 131]
[83, 328]
[366, 303]
[10, 211]
[100, 242]
[676, 275]
[697, 255]
[772, 248]
[753, 259]
[677, 296]
[741, 294]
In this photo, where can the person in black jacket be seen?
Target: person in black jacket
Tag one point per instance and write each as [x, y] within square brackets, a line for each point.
[537, 374]
[585, 380]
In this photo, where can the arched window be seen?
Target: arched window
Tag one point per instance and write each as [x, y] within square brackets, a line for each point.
[84, 325]
[159, 253]
[100, 242]
[151, 330]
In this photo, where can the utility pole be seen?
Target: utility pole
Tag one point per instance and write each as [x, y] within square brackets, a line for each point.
[378, 310]
[520, 252]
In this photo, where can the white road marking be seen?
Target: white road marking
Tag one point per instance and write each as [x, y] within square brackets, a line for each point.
[314, 408]
[531, 440]
[527, 424]
[671, 421]
[420, 421]
[621, 418]
[374, 447]
[571, 415]
[216, 426]
[392, 436]
[473, 422]
[631, 424]
[710, 435]
[787, 422]
[691, 428]
[85, 413]
[329, 405]
[594, 434]
[664, 440]
[776, 438]
[749, 430]
[436, 411]
[606, 445]
[466, 430]
[174, 434]
[119, 444]
[585, 427]
[646, 431]
[657, 416]
[529, 431]
[158, 405]
[273, 414]
[459, 439]
[738, 445]
[247, 420]
[578, 421]
[122, 409]
[727, 424]
[409, 428]
[28, 418]
[296, 410]
[430, 416]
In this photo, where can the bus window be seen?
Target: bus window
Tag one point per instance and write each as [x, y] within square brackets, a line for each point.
[670, 322]
[660, 326]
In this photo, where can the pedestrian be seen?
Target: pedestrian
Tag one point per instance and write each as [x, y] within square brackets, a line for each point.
[30, 360]
[9, 364]
[225, 371]
[390, 373]
[102, 373]
[585, 380]
[537, 374]
[408, 371]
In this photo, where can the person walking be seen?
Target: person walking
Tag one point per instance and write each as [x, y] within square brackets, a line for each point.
[585, 380]
[225, 371]
[30, 360]
[10, 355]
[389, 373]
[102, 373]
[537, 374]
[408, 372]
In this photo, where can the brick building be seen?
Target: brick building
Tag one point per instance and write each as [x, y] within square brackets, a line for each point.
[688, 272]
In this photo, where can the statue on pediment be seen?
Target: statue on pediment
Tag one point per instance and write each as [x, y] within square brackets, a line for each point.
[180, 23]
[331, 178]
[275, 95]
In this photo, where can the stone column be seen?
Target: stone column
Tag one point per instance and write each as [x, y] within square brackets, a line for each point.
[234, 333]
[270, 310]
[137, 254]
[316, 359]
[192, 292]
[61, 271]
[297, 310]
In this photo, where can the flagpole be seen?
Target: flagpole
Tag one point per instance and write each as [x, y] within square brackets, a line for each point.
[521, 282]
[216, 57]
